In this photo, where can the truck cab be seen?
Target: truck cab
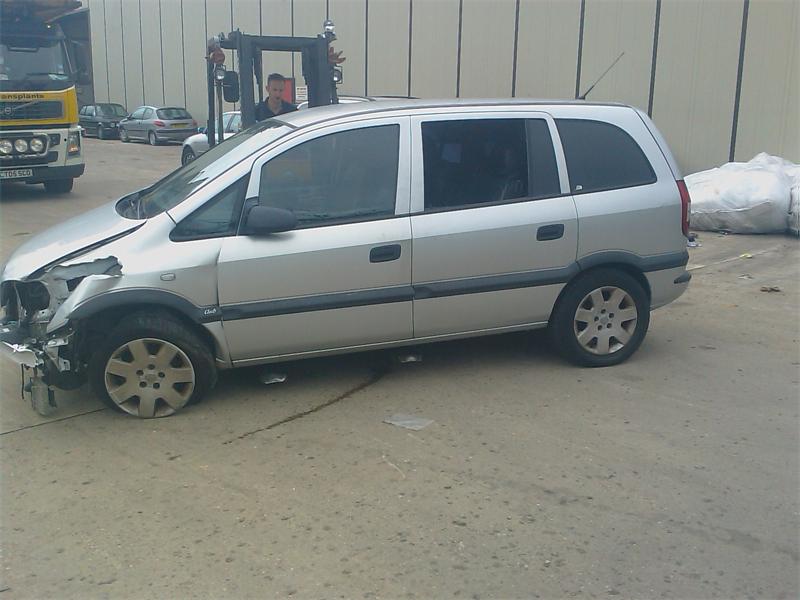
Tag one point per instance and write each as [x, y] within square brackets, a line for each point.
[39, 133]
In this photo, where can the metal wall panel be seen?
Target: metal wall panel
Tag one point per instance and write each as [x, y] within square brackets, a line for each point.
[151, 51]
[769, 112]
[99, 59]
[610, 28]
[435, 49]
[349, 16]
[308, 18]
[132, 53]
[172, 38]
[388, 47]
[276, 19]
[487, 48]
[116, 64]
[698, 54]
[548, 48]
[194, 40]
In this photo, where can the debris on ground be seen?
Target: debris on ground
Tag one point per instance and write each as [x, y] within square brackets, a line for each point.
[692, 242]
[408, 422]
[770, 288]
[271, 377]
[745, 255]
[745, 276]
[410, 357]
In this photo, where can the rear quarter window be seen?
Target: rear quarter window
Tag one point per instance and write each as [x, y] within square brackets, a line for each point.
[601, 156]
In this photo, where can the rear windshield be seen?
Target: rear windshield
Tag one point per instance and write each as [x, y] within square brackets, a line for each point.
[178, 185]
[111, 110]
[170, 114]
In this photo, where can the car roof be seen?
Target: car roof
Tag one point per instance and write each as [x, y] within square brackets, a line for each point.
[335, 111]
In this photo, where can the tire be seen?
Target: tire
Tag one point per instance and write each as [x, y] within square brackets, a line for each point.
[151, 137]
[187, 155]
[155, 354]
[123, 135]
[607, 302]
[59, 186]
[101, 133]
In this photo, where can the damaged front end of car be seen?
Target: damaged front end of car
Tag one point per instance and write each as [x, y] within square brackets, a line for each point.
[36, 333]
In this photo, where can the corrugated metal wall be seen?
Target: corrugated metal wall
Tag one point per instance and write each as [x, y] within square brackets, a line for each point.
[720, 77]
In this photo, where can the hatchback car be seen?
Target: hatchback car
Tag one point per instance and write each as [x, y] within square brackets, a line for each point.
[195, 145]
[102, 120]
[357, 227]
[157, 125]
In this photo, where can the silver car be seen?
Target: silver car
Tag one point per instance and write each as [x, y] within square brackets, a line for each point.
[157, 125]
[196, 144]
[351, 228]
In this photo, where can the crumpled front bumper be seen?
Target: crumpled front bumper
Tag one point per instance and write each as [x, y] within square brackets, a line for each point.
[13, 348]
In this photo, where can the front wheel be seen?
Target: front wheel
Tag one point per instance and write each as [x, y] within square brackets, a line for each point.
[58, 186]
[151, 365]
[123, 135]
[101, 132]
[187, 155]
[600, 319]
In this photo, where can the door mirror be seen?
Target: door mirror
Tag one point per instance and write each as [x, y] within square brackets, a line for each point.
[230, 86]
[263, 220]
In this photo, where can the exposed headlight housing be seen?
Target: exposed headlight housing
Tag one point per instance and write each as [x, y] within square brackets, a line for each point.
[21, 146]
[37, 145]
[6, 147]
[74, 142]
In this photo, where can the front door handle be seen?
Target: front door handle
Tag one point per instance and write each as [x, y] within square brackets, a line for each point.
[550, 232]
[384, 253]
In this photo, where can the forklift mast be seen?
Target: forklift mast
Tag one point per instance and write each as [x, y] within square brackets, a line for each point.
[317, 70]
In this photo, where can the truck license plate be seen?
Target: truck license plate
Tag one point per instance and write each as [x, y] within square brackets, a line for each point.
[15, 173]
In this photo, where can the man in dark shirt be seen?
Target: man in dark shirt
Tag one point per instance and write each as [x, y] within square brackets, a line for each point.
[274, 104]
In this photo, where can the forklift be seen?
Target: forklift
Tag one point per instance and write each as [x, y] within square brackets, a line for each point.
[319, 67]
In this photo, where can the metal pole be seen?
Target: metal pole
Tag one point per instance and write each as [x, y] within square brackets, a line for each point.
[219, 112]
[210, 130]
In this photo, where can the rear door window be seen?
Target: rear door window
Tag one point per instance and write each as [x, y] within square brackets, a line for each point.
[473, 162]
[601, 156]
[148, 114]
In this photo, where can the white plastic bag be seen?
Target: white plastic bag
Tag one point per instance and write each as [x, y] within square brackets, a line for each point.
[751, 197]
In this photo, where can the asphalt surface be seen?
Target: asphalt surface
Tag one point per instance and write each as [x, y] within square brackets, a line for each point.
[673, 475]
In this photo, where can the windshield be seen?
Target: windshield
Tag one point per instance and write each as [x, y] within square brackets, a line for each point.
[33, 63]
[111, 110]
[178, 185]
[170, 114]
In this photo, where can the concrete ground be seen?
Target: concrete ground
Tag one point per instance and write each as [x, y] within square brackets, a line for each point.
[673, 475]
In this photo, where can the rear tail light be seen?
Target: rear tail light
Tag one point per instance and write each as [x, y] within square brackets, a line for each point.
[158, 123]
[686, 203]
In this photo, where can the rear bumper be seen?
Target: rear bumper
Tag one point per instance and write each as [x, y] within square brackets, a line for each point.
[42, 174]
[175, 135]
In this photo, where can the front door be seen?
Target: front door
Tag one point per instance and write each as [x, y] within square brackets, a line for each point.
[342, 277]
[495, 234]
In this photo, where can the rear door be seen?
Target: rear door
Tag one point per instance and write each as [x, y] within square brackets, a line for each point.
[342, 277]
[494, 228]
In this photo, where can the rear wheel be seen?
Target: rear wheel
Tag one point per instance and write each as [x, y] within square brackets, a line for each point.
[151, 137]
[601, 319]
[58, 186]
[151, 365]
[123, 135]
[187, 155]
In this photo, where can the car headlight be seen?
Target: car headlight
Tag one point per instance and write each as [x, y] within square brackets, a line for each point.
[37, 145]
[73, 142]
[21, 146]
[6, 147]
